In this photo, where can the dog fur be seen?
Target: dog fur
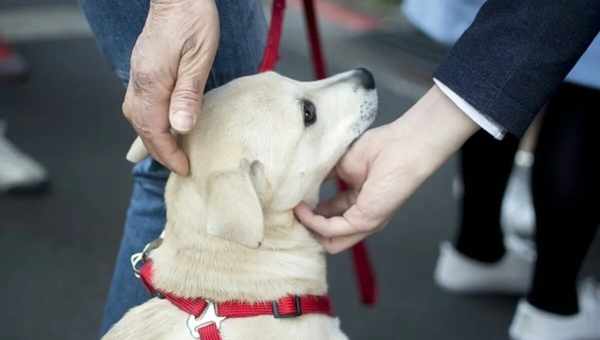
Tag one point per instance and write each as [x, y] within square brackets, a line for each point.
[231, 233]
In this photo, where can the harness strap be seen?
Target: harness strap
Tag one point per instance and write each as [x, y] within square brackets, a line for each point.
[209, 332]
[206, 327]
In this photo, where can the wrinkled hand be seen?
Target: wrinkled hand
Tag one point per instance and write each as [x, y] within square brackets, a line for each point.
[384, 167]
[170, 64]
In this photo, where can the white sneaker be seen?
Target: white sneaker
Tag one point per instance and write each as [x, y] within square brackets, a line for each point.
[458, 273]
[18, 172]
[531, 323]
[517, 213]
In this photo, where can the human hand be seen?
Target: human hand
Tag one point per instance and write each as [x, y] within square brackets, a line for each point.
[170, 64]
[384, 167]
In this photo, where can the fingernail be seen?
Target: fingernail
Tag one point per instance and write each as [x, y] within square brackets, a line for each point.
[182, 121]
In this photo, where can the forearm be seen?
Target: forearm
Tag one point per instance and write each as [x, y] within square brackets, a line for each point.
[438, 128]
[515, 55]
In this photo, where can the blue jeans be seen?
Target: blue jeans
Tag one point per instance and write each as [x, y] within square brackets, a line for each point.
[117, 24]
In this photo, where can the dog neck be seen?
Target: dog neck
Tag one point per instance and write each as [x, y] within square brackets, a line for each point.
[191, 263]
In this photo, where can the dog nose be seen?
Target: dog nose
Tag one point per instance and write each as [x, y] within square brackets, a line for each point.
[366, 78]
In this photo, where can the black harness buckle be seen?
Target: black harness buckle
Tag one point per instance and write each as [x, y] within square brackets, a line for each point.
[297, 304]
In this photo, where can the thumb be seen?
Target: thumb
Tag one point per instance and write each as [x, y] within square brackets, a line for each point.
[186, 98]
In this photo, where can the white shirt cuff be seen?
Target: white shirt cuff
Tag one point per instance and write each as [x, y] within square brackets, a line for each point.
[484, 121]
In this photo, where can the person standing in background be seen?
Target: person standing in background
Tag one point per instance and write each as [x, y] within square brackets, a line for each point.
[19, 172]
[480, 259]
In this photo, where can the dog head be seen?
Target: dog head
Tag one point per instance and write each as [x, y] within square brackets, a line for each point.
[262, 144]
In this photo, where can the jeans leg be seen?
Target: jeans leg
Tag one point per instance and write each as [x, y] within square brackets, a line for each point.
[117, 24]
[144, 222]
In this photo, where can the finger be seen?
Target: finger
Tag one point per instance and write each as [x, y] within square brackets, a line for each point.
[194, 68]
[336, 206]
[328, 227]
[131, 112]
[146, 105]
[162, 146]
[185, 103]
[352, 169]
[166, 148]
[337, 244]
[152, 151]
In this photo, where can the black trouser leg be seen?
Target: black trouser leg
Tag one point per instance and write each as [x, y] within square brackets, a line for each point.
[486, 164]
[566, 185]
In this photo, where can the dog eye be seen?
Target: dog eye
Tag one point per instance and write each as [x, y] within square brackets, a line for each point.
[310, 113]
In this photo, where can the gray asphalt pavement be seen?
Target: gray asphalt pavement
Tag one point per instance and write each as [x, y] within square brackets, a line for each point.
[57, 250]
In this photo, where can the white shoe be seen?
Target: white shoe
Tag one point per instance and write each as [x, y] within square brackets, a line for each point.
[531, 323]
[518, 214]
[458, 273]
[18, 172]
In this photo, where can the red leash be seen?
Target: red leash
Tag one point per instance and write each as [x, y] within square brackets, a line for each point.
[314, 39]
[363, 267]
[271, 55]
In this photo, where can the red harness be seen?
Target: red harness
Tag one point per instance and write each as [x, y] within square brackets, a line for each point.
[205, 317]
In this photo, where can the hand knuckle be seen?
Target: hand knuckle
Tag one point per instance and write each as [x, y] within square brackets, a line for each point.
[143, 131]
[190, 45]
[142, 81]
[188, 94]
[127, 110]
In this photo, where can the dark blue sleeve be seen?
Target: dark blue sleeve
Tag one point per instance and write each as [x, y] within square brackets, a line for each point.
[516, 53]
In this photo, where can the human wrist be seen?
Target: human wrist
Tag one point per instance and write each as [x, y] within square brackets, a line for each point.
[436, 126]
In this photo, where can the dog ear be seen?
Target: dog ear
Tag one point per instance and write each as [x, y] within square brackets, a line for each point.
[234, 204]
[137, 151]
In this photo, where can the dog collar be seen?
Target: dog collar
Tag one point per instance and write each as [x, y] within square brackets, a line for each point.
[205, 317]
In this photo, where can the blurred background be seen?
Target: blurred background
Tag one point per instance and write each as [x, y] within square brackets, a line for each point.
[60, 230]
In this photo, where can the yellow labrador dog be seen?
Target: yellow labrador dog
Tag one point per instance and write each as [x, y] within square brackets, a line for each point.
[262, 144]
